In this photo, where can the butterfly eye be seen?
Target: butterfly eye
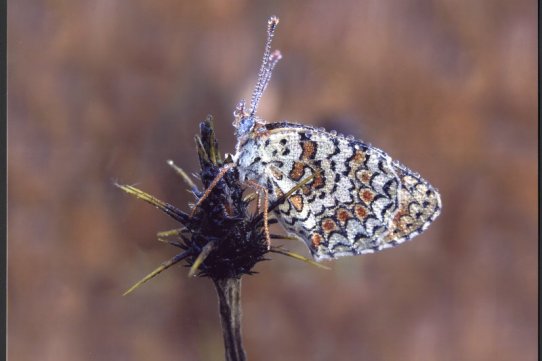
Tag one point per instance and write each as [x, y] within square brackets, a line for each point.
[245, 125]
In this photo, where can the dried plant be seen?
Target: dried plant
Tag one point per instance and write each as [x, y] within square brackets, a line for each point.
[222, 239]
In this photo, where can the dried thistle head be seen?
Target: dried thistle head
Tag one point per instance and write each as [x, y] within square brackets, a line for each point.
[222, 238]
[222, 227]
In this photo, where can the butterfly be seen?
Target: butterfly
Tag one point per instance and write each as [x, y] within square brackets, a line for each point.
[354, 197]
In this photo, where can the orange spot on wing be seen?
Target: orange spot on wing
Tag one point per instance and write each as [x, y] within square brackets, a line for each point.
[316, 239]
[297, 171]
[297, 202]
[359, 157]
[318, 181]
[361, 212]
[397, 217]
[365, 177]
[309, 150]
[367, 195]
[328, 225]
[343, 215]
[401, 224]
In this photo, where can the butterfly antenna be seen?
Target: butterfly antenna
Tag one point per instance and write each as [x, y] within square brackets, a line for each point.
[268, 63]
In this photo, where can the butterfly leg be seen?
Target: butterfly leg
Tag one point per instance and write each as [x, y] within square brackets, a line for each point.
[276, 175]
[213, 184]
[265, 192]
[297, 256]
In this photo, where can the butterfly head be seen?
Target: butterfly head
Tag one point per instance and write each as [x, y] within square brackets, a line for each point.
[245, 120]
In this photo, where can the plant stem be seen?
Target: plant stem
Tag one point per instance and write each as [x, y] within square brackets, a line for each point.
[229, 296]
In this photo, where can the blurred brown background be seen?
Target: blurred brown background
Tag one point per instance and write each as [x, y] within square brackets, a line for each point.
[109, 90]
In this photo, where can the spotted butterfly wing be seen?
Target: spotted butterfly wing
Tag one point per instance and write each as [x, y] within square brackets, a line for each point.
[358, 201]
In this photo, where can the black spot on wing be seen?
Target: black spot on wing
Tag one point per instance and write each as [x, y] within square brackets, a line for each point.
[337, 150]
[256, 160]
[387, 186]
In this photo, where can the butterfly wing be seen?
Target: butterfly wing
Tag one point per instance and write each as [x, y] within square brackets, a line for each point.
[419, 205]
[359, 201]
